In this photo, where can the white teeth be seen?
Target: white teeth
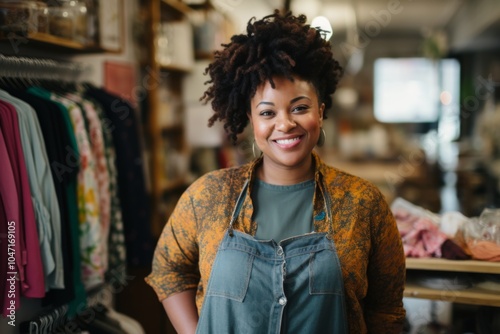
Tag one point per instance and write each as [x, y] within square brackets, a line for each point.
[286, 141]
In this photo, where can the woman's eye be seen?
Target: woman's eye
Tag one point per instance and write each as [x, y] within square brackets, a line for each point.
[300, 108]
[266, 113]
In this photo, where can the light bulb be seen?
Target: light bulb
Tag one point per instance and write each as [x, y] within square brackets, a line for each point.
[322, 24]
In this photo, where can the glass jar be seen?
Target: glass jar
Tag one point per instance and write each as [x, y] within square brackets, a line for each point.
[42, 15]
[18, 17]
[62, 19]
[68, 19]
[81, 27]
[92, 21]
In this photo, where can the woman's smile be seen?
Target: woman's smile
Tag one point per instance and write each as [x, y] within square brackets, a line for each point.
[288, 143]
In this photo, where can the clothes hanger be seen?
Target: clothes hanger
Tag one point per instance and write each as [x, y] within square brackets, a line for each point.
[57, 320]
[12, 83]
[42, 325]
[34, 329]
[51, 319]
[3, 82]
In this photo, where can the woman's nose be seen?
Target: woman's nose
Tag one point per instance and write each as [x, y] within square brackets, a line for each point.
[285, 123]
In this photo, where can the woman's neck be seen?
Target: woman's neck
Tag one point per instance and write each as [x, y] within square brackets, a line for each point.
[270, 173]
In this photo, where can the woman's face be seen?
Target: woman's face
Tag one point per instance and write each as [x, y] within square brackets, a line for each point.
[286, 121]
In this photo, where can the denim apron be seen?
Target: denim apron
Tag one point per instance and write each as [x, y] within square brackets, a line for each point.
[261, 286]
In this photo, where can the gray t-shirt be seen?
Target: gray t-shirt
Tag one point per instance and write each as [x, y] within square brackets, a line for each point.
[282, 211]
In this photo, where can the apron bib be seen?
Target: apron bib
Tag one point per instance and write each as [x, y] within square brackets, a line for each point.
[261, 286]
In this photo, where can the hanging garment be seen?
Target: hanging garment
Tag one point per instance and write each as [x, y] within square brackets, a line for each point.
[65, 168]
[9, 225]
[20, 210]
[101, 173]
[293, 286]
[42, 190]
[59, 142]
[134, 199]
[92, 267]
[117, 255]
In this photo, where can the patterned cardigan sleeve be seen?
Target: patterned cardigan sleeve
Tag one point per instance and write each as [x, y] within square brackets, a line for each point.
[384, 311]
[175, 261]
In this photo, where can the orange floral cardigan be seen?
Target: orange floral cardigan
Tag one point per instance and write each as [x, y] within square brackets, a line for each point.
[364, 231]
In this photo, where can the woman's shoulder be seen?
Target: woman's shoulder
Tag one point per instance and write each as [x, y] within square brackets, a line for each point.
[340, 180]
[220, 180]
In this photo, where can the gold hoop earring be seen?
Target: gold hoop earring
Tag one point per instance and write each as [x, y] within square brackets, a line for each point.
[322, 138]
[253, 150]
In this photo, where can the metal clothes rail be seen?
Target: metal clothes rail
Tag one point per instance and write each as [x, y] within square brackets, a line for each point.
[39, 68]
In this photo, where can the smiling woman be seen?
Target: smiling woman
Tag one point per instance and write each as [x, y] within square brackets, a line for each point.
[286, 243]
[286, 122]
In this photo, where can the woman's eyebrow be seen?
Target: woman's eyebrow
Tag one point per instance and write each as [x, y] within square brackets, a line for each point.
[295, 99]
[266, 103]
[299, 98]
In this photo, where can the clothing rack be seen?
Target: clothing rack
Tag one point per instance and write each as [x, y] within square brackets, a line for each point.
[39, 68]
[41, 84]
[55, 320]
[46, 323]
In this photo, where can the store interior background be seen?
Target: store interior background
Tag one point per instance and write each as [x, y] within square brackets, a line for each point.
[449, 165]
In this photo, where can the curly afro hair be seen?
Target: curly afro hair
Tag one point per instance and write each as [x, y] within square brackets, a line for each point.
[277, 45]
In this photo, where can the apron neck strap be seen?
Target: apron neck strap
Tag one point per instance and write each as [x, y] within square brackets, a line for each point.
[328, 208]
[237, 207]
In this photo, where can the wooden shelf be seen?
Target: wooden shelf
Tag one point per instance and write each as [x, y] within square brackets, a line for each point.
[58, 41]
[43, 39]
[471, 266]
[474, 296]
[179, 6]
[175, 68]
[171, 128]
[203, 55]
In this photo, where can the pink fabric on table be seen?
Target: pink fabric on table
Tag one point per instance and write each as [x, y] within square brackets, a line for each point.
[421, 236]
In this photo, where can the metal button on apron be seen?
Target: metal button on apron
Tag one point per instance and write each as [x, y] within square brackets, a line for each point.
[282, 301]
[279, 251]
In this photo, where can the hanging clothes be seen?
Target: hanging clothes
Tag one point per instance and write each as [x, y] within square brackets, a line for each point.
[116, 240]
[91, 243]
[56, 122]
[42, 190]
[17, 203]
[101, 173]
[66, 179]
[134, 198]
[58, 141]
[10, 209]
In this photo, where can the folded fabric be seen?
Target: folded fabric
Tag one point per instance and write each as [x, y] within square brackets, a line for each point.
[421, 236]
[430, 238]
[484, 250]
[453, 251]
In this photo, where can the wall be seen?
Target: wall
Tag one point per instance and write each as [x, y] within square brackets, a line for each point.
[240, 11]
